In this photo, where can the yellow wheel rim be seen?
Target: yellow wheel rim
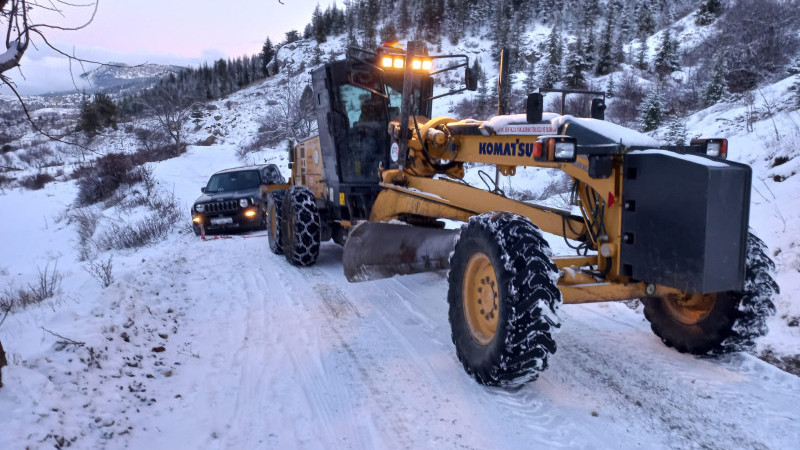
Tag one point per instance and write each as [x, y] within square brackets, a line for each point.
[481, 299]
[690, 308]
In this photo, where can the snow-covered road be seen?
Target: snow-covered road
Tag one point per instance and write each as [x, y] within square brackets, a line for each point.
[260, 354]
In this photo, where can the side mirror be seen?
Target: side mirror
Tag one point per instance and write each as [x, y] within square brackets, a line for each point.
[534, 107]
[203, 189]
[598, 109]
[470, 79]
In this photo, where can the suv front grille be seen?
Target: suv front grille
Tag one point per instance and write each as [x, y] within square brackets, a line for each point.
[221, 207]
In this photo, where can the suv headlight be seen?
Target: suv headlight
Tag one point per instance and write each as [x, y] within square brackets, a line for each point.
[243, 203]
[200, 207]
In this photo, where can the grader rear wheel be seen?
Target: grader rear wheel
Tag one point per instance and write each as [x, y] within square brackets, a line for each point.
[302, 227]
[503, 300]
[722, 322]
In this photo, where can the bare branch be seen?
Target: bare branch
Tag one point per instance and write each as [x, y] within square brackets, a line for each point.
[65, 339]
[79, 27]
[37, 128]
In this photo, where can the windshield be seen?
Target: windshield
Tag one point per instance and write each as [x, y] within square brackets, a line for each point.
[366, 136]
[233, 181]
[394, 89]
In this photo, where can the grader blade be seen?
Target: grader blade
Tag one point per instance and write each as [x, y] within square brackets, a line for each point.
[381, 250]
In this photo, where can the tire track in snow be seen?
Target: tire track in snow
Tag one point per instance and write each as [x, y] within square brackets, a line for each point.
[629, 376]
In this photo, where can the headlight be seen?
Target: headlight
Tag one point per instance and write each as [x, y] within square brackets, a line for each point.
[243, 203]
[565, 150]
[555, 149]
[200, 207]
[715, 147]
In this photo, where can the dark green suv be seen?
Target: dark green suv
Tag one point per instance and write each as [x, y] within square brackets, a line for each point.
[234, 199]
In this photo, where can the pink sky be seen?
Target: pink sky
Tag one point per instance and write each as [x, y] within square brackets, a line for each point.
[180, 32]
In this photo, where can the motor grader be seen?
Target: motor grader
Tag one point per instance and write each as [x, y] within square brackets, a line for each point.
[668, 225]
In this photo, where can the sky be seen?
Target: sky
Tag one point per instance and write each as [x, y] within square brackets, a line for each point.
[180, 32]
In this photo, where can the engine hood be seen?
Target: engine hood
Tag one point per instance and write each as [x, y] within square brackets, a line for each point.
[254, 193]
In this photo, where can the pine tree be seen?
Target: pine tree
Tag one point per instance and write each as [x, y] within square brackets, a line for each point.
[709, 11]
[605, 62]
[404, 18]
[610, 88]
[530, 78]
[388, 33]
[292, 36]
[676, 133]
[575, 67]
[796, 86]
[645, 19]
[319, 26]
[589, 50]
[267, 53]
[652, 111]
[551, 69]
[641, 56]
[667, 60]
[88, 121]
[369, 23]
[794, 66]
[714, 90]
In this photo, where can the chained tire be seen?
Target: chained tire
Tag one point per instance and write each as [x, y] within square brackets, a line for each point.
[275, 220]
[723, 322]
[301, 227]
[503, 300]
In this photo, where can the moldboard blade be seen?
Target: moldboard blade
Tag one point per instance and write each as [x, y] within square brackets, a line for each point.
[376, 250]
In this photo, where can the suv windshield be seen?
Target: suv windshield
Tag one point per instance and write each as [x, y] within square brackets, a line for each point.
[233, 181]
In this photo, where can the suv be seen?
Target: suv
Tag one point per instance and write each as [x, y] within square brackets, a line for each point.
[234, 199]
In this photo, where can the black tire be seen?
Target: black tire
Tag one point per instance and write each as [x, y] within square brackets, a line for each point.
[731, 321]
[275, 220]
[301, 227]
[196, 230]
[263, 211]
[525, 295]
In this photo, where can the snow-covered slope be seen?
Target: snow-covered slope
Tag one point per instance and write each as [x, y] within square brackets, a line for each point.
[116, 76]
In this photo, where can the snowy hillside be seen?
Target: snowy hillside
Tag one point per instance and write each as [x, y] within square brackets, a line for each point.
[118, 77]
[182, 343]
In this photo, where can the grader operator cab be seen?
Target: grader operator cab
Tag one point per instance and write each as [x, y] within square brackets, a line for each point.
[665, 225]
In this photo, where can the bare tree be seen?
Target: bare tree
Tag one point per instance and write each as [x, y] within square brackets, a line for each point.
[21, 30]
[171, 110]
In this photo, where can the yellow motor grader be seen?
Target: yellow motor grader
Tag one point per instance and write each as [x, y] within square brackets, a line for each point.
[668, 225]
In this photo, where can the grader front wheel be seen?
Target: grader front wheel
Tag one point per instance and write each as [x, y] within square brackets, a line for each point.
[503, 300]
[480, 298]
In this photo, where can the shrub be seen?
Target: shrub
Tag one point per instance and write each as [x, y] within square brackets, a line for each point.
[122, 235]
[101, 271]
[86, 220]
[37, 181]
[4, 180]
[100, 183]
[47, 285]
